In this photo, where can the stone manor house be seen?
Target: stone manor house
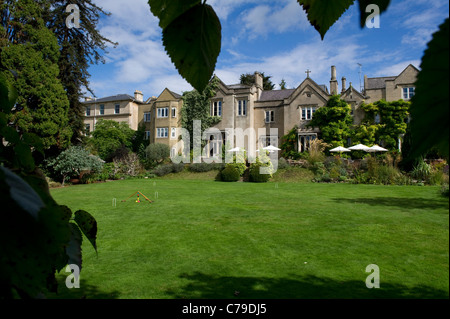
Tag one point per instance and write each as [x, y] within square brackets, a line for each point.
[248, 107]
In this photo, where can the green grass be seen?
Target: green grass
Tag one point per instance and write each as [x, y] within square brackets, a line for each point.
[206, 239]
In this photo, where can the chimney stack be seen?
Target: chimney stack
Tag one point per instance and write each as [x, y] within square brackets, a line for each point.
[334, 85]
[344, 84]
[259, 82]
[138, 96]
[88, 98]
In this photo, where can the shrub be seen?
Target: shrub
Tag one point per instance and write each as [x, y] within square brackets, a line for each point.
[421, 171]
[158, 152]
[177, 168]
[163, 170]
[230, 174]
[282, 163]
[255, 175]
[74, 160]
[386, 175]
[201, 167]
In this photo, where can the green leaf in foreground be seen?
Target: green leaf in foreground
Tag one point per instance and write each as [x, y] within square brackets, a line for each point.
[322, 14]
[88, 226]
[430, 104]
[73, 249]
[193, 42]
[169, 10]
[8, 95]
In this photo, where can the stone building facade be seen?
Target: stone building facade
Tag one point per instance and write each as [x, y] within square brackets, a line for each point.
[249, 109]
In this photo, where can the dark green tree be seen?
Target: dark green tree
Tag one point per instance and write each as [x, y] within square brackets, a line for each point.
[32, 52]
[334, 121]
[80, 48]
[249, 79]
[109, 136]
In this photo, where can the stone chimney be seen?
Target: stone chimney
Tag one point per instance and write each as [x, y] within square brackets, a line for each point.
[88, 98]
[344, 84]
[138, 96]
[259, 82]
[334, 85]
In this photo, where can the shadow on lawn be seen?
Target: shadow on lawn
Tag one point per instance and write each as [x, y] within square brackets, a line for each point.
[406, 203]
[85, 291]
[204, 286]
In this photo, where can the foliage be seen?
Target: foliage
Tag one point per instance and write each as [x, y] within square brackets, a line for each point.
[230, 174]
[316, 151]
[158, 152]
[249, 79]
[196, 107]
[128, 165]
[139, 143]
[334, 121]
[79, 48]
[289, 144]
[192, 32]
[74, 160]
[205, 167]
[393, 122]
[421, 170]
[109, 136]
[192, 36]
[37, 236]
[431, 129]
[166, 169]
[282, 163]
[31, 50]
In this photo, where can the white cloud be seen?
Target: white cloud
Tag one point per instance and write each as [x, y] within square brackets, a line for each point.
[396, 69]
[264, 19]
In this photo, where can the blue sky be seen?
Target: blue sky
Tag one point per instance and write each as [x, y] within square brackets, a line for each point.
[269, 36]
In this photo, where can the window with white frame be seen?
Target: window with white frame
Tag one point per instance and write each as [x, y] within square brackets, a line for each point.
[216, 108]
[173, 133]
[408, 93]
[117, 109]
[87, 129]
[162, 132]
[163, 112]
[147, 135]
[147, 117]
[242, 108]
[102, 109]
[308, 112]
[88, 111]
[304, 142]
[174, 112]
[270, 116]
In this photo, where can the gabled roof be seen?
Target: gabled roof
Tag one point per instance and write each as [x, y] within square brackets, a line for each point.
[114, 98]
[378, 83]
[350, 91]
[175, 95]
[321, 90]
[275, 95]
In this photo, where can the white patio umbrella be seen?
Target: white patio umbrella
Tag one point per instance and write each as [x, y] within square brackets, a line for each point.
[271, 148]
[340, 149]
[236, 149]
[359, 147]
[376, 148]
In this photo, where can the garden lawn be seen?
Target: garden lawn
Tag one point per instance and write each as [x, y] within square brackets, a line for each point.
[206, 239]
